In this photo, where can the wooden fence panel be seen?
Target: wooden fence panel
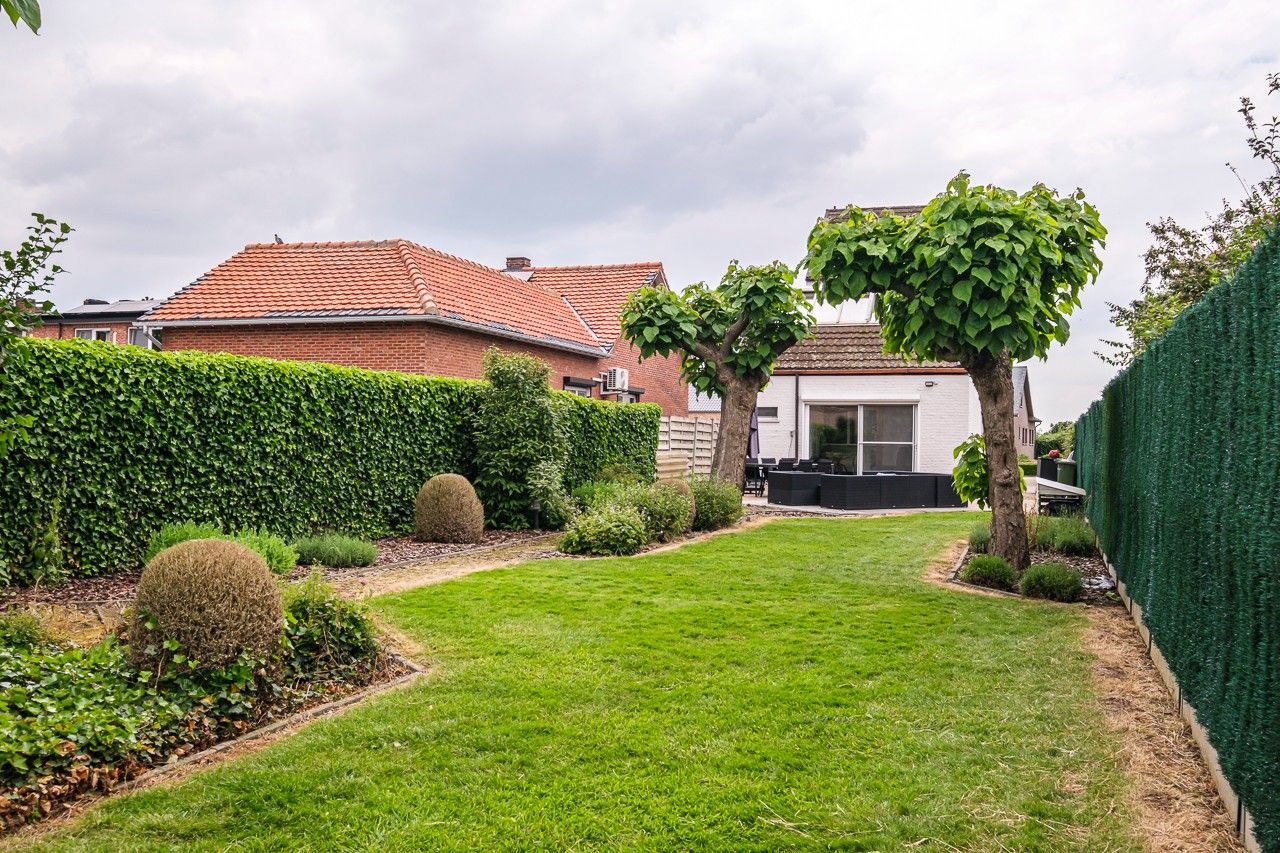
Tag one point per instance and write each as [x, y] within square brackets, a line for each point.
[692, 438]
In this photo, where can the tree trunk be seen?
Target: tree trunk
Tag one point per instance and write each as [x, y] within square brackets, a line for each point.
[730, 460]
[993, 378]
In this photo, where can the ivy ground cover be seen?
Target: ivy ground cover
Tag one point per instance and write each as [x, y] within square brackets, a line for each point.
[794, 686]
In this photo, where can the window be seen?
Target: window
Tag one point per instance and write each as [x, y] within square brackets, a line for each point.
[94, 334]
[767, 413]
[854, 311]
[145, 338]
[864, 439]
[625, 397]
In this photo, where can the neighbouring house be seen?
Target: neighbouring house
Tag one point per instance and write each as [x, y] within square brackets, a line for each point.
[839, 396]
[397, 305]
[100, 320]
[703, 405]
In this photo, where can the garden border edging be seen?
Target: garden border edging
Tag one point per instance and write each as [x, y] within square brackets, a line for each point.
[1243, 819]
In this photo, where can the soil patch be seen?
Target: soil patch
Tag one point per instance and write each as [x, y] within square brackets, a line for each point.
[1098, 586]
[1175, 804]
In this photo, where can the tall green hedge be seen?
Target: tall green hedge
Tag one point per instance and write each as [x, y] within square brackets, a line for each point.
[1181, 461]
[127, 439]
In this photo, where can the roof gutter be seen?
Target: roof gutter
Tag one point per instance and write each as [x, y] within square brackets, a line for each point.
[479, 328]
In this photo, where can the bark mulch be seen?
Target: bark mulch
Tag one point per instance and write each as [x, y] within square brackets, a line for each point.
[119, 588]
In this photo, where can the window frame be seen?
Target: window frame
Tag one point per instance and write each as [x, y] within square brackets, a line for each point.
[861, 406]
[96, 333]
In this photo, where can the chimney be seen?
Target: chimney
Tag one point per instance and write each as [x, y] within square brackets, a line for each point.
[519, 264]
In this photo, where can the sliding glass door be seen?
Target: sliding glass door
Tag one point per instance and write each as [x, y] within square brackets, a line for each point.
[864, 438]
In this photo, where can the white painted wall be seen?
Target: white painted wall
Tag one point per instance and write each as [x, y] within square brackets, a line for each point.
[946, 412]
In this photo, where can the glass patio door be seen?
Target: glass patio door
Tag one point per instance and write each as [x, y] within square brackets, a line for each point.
[863, 438]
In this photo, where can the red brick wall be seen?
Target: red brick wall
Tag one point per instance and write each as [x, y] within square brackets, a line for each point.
[658, 376]
[67, 329]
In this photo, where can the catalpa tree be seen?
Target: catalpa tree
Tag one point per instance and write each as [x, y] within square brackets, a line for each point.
[982, 275]
[729, 337]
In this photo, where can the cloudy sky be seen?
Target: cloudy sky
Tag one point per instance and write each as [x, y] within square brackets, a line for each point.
[171, 134]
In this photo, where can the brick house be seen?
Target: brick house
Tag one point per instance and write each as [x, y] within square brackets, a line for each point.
[397, 305]
[99, 320]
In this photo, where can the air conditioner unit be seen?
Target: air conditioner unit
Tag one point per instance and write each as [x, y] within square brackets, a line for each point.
[616, 379]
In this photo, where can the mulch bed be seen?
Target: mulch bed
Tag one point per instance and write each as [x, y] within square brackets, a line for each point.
[119, 588]
[1098, 586]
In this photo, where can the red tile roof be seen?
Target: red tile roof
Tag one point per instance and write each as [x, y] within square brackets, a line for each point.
[597, 293]
[373, 279]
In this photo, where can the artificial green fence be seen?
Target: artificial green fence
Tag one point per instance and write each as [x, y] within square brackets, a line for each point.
[126, 440]
[1181, 461]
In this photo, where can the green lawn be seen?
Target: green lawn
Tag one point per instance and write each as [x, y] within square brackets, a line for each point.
[796, 686]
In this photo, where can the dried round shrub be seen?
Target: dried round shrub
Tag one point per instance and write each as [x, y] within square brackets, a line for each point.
[447, 510]
[216, 598]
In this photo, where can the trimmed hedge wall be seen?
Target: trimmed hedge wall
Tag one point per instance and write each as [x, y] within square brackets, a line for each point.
[127, 439]
[1181, 461]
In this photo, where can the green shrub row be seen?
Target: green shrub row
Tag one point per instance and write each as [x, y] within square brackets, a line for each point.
[126, 440]
[281, 557]
[1181, 462]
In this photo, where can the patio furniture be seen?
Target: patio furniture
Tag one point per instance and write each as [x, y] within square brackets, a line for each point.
[754, 481]
[804, 464]
[793, 488]
[887, 491]
[787, 463]
[824, 466]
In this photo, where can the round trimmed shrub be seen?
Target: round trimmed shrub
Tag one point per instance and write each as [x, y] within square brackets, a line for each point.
[990, 571]
[1053, 581]
[609, 530]
[216, 598]
[682, 486]
[716, 503]
[447, 510]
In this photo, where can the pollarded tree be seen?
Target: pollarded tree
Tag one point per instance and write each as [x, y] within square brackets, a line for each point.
[729, 337]
[982, 275]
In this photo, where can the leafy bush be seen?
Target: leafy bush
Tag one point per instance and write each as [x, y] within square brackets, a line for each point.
[208, 601]
[980, 538]
[1064, 534]
[683, 487]
[335, 551]
[21, 629]
[447, 510]
[280, 556]
[989, 570]
[1053, 581]
[618, 473]
[609, 529]
[546, 486]
[970, 475]
[716, 503]
[324, 631]
[183, 531]
[596, 494]
[518, 430]
[665, 510]
[164, 436]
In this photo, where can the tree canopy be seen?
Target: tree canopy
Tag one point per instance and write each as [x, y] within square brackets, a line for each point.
[980, 270]
[27, 11]
[737, 329]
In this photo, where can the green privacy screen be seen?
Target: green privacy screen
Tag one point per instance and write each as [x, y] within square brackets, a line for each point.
[1181, 461]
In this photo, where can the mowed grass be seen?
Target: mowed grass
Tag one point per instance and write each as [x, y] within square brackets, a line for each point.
[795, 686]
